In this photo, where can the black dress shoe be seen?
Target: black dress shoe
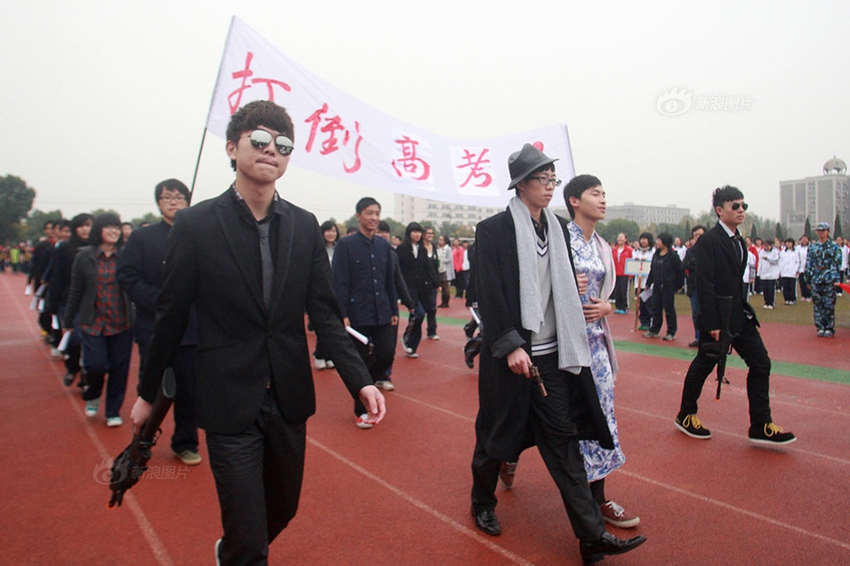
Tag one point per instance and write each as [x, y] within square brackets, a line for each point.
[607, 545]
[486, 521]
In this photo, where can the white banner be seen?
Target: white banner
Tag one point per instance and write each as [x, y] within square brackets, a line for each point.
[340, 136]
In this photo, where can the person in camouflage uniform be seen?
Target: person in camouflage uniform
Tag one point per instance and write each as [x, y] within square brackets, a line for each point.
[823, 263]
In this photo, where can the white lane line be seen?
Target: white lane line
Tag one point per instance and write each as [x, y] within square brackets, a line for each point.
[740, 436]
[739, 510]
[423, 506]
[156, 544]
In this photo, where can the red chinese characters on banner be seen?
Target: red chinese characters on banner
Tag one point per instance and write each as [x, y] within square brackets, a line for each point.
[415, 167]
[234, 99]
[475, 164]
[332, 127]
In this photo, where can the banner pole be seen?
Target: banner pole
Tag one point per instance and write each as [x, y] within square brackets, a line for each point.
[209, 110]
[197, 165]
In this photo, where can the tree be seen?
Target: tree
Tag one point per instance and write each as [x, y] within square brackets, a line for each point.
[32, 227]
[754, 232]
[15, 202]
[837, 231]
[807, 229]
[608, 231]
[779, 231]
[150, 218]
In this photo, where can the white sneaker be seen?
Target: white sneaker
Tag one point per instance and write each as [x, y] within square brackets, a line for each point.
[319, 363]
[361, 421]
[114, 421]
[385, 384]
[217, 546]
[433, 337]
[412, 354]
[92, 407]
[329, 364]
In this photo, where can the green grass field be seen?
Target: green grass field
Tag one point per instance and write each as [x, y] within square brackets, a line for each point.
[801, 313]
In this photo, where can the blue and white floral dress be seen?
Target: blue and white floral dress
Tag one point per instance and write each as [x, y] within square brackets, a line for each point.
[598, 461]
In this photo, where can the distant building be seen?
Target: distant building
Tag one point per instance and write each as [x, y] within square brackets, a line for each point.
[820, 199]
[646, 215]
[409, 209]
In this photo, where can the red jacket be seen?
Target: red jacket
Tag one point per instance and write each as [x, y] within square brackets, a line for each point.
[620, 259]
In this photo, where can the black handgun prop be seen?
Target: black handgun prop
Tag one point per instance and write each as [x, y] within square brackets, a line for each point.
[724, 305]
[129, 466]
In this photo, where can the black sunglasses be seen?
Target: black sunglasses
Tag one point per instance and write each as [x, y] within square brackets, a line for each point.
[262, 138]
[737, 205]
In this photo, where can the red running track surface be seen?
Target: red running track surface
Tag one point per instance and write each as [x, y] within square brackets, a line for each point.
[399, 493]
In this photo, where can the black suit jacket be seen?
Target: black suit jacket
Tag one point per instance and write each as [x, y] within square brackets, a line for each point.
[719, 272]
[504, 397]
[243, 347]
[140, 272]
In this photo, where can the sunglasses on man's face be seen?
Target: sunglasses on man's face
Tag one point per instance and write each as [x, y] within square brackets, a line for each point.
[261, 138]
[737, 205]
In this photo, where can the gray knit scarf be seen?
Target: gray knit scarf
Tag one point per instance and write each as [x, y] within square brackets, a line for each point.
[573, 350]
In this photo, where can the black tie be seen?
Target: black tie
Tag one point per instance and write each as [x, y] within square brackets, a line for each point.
[739, 245]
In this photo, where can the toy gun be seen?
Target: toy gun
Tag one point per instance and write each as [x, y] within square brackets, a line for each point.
[129, 466]
[724, 304]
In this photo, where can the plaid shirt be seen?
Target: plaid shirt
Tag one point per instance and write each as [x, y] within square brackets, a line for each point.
[111, 315]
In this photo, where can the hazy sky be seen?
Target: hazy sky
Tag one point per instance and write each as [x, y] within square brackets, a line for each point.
[101, 99]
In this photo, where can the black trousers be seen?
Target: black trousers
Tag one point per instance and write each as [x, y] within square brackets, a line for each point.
[663, 299]
[258, 475]
[805, 289]
[750, 347]
[645, 314]
[185, 436]
[789, 289]
[379, 357]
[553, 431]
[768, 288]
[621, 292]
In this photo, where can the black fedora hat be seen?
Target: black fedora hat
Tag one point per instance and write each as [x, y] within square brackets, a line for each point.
[523, 162]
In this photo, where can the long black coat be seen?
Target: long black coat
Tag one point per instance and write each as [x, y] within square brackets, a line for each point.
[505, 397]
[720, 271]
[242, 344]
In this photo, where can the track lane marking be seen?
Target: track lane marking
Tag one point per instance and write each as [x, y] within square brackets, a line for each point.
[155, 543]
[454, 525]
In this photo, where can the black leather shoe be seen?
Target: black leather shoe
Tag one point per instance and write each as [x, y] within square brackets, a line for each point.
[607, 545]
[487, 522]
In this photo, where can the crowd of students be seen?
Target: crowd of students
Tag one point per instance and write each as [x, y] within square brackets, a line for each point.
[773, 266]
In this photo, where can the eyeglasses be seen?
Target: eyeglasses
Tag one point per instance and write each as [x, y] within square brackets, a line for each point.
[546, 181]
[173, 198]
[261, 138]
[737, 205]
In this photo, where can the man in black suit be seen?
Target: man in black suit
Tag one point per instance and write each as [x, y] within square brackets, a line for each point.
[721, 257]
[252, 264]
[532, 321]
[140, 273]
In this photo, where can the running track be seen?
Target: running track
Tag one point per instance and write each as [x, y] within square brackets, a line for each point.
[399, 493]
